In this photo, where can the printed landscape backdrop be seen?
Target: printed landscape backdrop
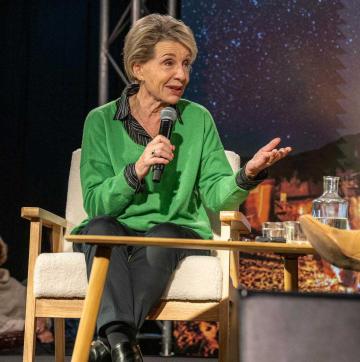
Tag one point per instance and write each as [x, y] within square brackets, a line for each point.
[270, 68]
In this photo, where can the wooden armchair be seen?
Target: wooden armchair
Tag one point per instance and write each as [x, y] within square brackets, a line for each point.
[57, 281]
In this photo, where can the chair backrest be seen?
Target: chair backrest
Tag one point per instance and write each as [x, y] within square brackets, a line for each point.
[75, 212]
[276, 327]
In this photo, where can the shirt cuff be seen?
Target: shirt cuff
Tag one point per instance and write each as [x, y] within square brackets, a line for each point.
[247, 183]
[132, 179]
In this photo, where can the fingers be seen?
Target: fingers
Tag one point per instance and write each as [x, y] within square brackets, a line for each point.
[283, 152]
[271, 145]
[161, 150]
[276, 155]
[161, 139]
[157, 160]
[159, 157]
[158, 151]
[266, 157]
[161, 143]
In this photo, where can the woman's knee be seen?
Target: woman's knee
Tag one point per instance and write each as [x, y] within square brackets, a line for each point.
[104, 225]
[163, 258]
[170, 230]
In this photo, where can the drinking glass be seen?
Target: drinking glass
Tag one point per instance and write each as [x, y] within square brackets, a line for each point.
[272, 229]
[293, 232]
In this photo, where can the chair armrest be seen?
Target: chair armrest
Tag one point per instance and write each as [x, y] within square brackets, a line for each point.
[237, 221]
[48, 219]
[38, 218]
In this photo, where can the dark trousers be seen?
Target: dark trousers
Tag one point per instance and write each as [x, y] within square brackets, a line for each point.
[138, 275]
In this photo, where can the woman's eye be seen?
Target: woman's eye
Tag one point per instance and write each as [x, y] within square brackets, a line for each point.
[187, 66]
[169, 63]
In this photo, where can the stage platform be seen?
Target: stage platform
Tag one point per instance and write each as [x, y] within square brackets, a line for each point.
[146, 359]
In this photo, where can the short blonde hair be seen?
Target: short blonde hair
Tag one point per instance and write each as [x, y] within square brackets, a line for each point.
[147, 32]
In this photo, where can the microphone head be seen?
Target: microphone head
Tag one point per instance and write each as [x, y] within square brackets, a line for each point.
[168, 113]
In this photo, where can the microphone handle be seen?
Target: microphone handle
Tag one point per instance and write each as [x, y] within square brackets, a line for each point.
[157, 172]
[165, 130]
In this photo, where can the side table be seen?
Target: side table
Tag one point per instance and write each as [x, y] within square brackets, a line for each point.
[290, 253]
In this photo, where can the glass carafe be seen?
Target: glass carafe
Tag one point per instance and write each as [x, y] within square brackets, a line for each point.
[330, 208]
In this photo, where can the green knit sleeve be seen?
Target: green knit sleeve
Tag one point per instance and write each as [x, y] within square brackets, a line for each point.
[217, 181]
[104, 191]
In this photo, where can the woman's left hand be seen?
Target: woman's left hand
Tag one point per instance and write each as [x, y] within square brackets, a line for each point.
[266, 157]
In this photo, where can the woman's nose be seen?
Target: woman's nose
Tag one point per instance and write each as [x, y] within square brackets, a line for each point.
[181, 72]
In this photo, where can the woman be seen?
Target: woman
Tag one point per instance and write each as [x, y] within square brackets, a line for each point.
[121, 143]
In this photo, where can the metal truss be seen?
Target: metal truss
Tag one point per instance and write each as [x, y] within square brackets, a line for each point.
[134, 11]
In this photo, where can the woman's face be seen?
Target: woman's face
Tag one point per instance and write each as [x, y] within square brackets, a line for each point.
[165, 76]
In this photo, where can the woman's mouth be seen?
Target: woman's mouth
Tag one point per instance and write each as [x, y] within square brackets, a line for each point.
[176, 90]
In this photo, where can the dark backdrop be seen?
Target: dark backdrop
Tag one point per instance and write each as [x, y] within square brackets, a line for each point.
[48, 83]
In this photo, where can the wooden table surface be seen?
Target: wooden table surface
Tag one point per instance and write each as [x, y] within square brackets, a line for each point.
[245, 246]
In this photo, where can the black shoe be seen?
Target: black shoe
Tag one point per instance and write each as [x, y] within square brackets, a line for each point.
[99, 351]
[126, 352]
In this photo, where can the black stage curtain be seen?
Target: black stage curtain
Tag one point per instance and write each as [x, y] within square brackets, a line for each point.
[48, 83]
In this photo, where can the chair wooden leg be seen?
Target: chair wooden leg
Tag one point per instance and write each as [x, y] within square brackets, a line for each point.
[234, 347]
[59, 329]
[29, 334]
[92, 303]
[224, 329]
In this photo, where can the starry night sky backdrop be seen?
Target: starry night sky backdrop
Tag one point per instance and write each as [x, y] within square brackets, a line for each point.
[271, 68]
[288, 68]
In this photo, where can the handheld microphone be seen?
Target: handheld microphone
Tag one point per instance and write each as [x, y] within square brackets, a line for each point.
[167, 118]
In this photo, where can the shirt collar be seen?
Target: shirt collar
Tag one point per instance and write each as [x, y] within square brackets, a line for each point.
[122, 104]
[123, 107]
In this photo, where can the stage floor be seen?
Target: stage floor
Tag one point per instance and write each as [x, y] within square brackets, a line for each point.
[146, 359]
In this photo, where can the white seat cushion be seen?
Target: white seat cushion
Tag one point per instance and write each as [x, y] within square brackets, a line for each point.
[60, 275]
[196, 278]
[63, 275]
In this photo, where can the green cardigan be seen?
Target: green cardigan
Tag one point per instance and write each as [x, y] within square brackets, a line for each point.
[199, 176]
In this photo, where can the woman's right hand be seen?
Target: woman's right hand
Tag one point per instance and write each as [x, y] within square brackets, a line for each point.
[158, 151]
